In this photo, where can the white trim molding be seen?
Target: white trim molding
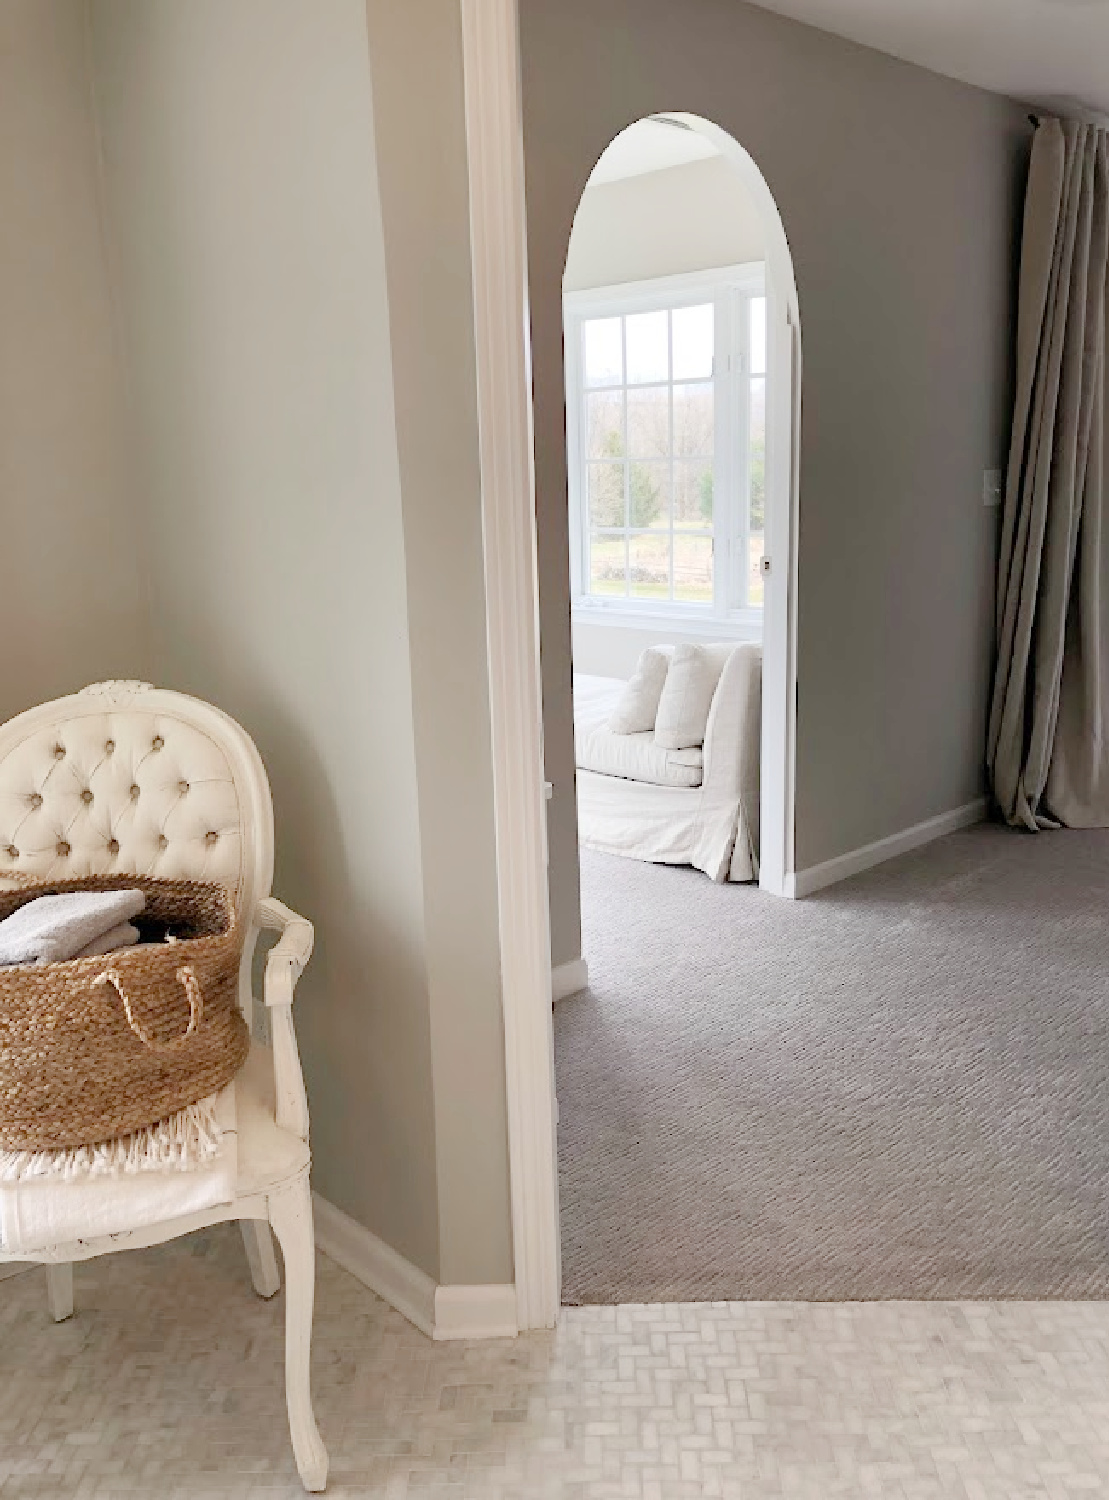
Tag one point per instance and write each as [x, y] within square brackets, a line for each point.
[831, 871]
[475, 1312]
[495, 147]
[375, 1264]
[739, 626]
[440, 1312]
[748, 276]
[569, 979]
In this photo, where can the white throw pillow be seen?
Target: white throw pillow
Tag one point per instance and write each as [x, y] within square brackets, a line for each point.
[683, 710]
[637, 706]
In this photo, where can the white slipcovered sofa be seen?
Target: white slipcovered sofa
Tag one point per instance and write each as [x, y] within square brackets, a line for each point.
[694, 806]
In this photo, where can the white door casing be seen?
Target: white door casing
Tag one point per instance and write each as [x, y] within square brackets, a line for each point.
[494, 137]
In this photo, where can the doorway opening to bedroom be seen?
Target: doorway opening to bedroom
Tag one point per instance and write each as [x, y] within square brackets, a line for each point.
[681, 354]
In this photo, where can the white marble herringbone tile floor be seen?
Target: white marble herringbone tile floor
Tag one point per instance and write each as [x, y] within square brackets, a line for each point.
[168, 1383]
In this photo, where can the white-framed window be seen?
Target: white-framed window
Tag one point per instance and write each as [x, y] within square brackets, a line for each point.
[666, 445]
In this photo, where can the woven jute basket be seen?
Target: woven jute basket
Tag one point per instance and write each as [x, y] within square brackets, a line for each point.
[94, 1048]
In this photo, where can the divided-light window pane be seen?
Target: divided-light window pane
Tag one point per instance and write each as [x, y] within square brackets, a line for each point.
[648, 341]
[604, 351]
[606, 494]
[648, 421]
[756, 467]
[694, 486]
[694, 341]
[692, 569]
[608, 564]
[649, 566]
[604, 423]
[648, 495]
[694, 420]
[757, 326]
[756, 452]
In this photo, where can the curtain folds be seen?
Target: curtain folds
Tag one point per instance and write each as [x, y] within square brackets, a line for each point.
[1048, 738]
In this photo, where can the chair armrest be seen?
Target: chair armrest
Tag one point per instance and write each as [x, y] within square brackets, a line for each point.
[288, 957]
[284, 966]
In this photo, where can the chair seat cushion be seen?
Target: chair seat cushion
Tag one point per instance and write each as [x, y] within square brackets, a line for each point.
[635, 757]
[638, 757]
[267, 1155]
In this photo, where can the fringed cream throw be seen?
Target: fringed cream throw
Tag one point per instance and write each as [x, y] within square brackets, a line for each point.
[133, 1189]
[190, 1139]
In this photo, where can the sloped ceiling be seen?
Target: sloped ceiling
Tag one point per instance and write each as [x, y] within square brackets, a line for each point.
[1053, 53]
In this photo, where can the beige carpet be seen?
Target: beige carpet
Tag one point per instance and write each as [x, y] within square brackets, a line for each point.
[895, 1089]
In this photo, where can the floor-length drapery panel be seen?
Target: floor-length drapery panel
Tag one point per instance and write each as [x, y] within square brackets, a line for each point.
[1047, 750]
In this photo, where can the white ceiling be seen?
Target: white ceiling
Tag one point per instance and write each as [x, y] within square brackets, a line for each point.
[1054, 53]
[649, 146]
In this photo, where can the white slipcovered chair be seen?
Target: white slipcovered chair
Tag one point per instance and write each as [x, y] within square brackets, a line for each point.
[124, 778]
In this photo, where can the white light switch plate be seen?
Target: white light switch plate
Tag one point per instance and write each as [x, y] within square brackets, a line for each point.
[991, 487]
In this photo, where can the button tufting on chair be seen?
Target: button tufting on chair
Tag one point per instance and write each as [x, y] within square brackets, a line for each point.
[157, 742]
[109, 746]
[163, 842]
[13, 851]
[63, 848]
[59, 784]
[113, 846]
[211, 836]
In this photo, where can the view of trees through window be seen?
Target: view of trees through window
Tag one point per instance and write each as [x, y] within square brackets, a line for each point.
[649, 441]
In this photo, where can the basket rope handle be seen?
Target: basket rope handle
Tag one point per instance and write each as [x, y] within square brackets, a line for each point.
[186, 976]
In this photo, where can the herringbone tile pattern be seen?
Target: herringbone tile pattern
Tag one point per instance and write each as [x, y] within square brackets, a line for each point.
[168, 1382]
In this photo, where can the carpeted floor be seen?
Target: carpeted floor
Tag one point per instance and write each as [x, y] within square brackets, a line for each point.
[895, 1089]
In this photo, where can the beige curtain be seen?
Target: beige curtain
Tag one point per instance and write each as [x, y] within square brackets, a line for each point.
[1048, 750]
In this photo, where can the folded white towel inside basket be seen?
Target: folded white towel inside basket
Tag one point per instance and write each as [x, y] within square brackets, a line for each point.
[52, 928]
[126, 935]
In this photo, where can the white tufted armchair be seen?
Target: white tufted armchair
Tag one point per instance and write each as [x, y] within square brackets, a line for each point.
[123, 778]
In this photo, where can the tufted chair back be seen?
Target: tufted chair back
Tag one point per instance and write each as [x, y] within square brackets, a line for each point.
[123, 778]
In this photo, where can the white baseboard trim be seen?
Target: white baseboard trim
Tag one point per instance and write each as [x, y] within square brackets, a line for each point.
[441, 1312]
[568, 979]
[816, 877]
[475, 1312]
[375, 1264]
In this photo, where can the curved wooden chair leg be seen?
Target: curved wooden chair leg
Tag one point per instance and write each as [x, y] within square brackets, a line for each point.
[258, 1243]
[291, 1217]
[59, 1291]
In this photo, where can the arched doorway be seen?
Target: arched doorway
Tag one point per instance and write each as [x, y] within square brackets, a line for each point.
[680, 308]
[680, 346]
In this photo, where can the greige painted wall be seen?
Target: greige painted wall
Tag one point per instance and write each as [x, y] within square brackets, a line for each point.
[242, 182]
[73, 597]
[613, 650]
[899, 194]
[689, 218]
[416, 56]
